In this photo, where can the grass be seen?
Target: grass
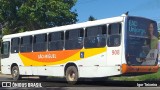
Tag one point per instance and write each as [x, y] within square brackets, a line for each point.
[146, 77]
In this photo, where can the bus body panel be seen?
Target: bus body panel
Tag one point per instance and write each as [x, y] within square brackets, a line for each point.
[5, 68]
[114, 56]
[123, 46]
[91, 72]
[93, 64]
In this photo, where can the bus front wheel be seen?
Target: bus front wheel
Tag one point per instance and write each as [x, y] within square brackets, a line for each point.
[72, 75]
[15, 73]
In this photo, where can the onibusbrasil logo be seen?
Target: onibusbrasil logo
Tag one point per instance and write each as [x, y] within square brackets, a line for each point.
[21, 84]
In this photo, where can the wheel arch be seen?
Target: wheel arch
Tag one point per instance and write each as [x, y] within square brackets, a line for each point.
[13, 64]
[70, 64]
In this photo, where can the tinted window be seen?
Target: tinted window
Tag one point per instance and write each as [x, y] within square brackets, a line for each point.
[114, 29]
[15, 45]
[26, 44]
[5, 49]
[40, 42]
[95, 36]
[114, 35]
[56, 41]
[74, 39]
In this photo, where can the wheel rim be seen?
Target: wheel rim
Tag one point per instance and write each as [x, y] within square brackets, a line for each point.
[15, 73]
[72, 76]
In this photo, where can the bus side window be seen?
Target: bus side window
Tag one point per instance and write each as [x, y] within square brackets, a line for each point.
[26, 44]
[40, 42]
[74, 39]
[15, 42]
[95, 37]
[5, 49]
[114, 35]
[56, 41]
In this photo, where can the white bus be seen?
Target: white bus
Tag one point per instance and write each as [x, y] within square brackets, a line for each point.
[113, 46]
[159, 52]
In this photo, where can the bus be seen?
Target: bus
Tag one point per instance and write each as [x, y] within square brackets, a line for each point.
[113, 46]
[159, 52]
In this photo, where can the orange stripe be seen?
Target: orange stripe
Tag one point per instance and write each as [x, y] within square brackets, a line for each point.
[50, 56]
[143, 69]
[59, 57]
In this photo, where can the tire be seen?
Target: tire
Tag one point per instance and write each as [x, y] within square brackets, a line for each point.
[71, 75]
[15, 73]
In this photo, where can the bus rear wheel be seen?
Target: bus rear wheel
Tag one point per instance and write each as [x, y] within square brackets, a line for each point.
[15, 73]
[72, 75]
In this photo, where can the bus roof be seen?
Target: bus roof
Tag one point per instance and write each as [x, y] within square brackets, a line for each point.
[67, 27]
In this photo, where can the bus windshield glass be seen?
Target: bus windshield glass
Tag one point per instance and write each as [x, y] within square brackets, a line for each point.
[141, 42]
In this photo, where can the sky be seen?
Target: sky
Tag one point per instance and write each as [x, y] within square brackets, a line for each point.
[101, 9]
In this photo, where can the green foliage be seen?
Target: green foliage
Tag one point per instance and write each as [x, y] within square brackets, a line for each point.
[146, 77]
[25, 15]
[91, 18]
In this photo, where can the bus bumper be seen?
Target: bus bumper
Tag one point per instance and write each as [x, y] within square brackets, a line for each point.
[139, 69]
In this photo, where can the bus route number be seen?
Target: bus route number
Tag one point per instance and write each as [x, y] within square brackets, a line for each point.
[115, 52]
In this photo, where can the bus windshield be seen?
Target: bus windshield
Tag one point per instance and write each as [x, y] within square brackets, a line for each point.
[141, 41]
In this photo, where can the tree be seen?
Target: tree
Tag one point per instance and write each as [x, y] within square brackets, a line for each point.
[91, 18]
[26, 15]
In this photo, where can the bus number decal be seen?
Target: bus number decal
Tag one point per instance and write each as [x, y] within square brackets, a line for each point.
[115, 52]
